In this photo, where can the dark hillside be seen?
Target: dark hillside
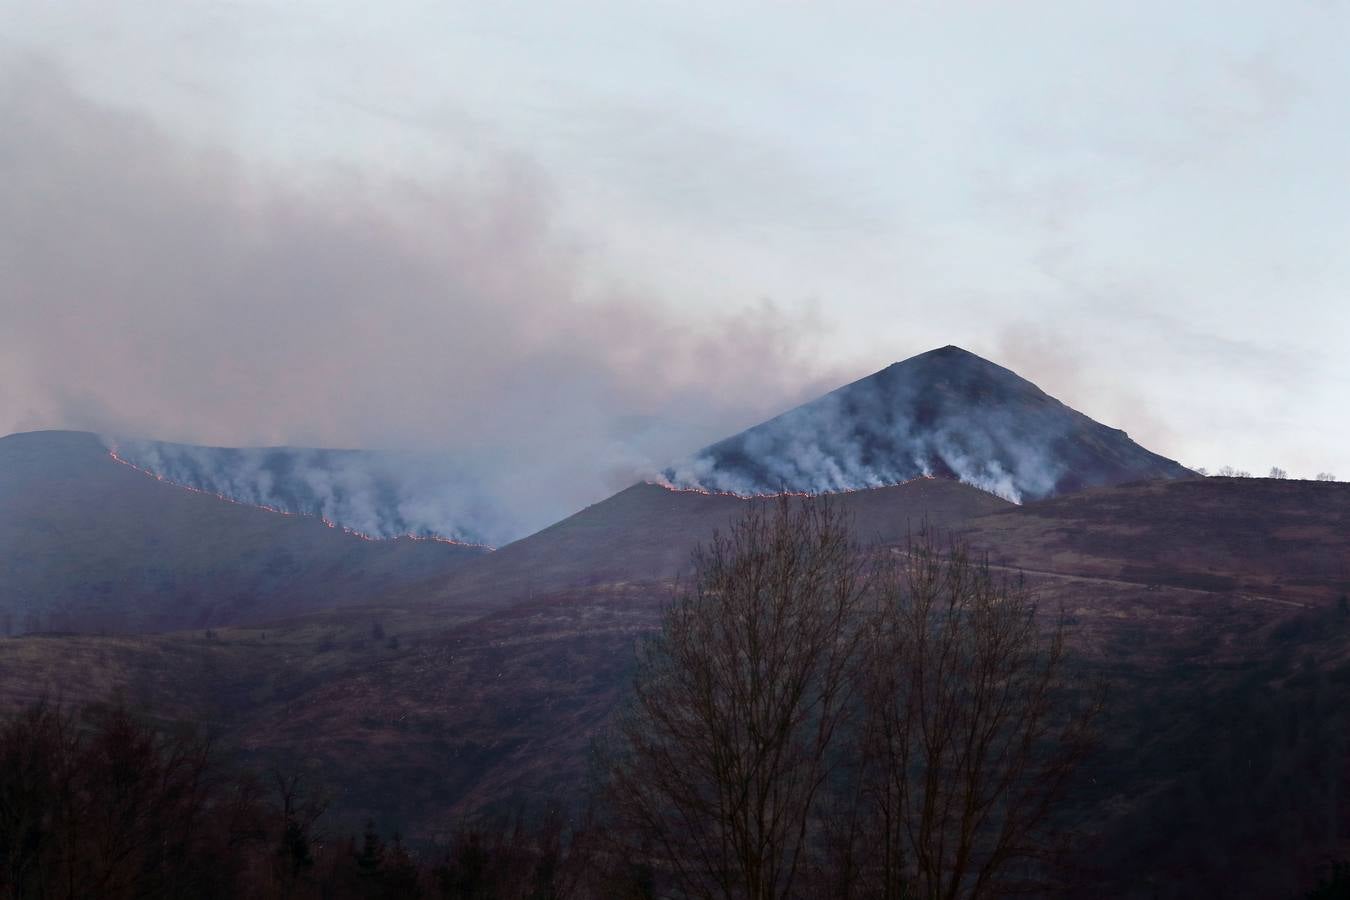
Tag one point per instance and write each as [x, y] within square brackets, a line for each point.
[88, 544]
[647, 532]
[1289, 539]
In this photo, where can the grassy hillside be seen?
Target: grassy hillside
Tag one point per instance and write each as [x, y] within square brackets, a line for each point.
[1287, 539]
[646, 533]
[1224, 767]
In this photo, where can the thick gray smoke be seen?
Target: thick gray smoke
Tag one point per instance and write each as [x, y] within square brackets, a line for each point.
[155, 289]
[377, 494]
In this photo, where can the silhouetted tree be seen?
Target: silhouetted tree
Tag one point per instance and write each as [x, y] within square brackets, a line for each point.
[111, 807]
[722, 761]
[464, 874]
[972, 729]
[297, 810]
[37, 750]
[808, 725]
[402, 878]
[115, 809]
[1335, 886]
[370, 861]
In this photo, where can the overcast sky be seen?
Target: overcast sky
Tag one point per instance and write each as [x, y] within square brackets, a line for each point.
[604, 232]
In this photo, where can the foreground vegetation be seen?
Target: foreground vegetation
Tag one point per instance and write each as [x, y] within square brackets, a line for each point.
[105, 806]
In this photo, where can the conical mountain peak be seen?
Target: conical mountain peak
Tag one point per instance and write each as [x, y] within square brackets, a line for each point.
[944, 413]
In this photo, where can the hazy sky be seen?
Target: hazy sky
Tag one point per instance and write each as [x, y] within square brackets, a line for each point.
[598, 233]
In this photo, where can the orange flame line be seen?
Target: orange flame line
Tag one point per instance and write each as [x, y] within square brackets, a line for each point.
[770, 494]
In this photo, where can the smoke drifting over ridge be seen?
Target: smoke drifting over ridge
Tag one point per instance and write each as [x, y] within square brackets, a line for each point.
[154, 289]
[375, 494]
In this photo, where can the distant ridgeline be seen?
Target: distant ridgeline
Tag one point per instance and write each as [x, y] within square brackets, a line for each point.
[378, 494]
[945, 413]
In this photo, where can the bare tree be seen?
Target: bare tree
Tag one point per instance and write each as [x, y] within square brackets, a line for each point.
[723, 759]
[298, 810]
[808, 724]
[1277, 472]
[114, 809]
[37, 747]
[971, 730]
[1325, 476]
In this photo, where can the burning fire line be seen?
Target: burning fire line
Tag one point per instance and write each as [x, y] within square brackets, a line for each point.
[769, 494]
[285, 512]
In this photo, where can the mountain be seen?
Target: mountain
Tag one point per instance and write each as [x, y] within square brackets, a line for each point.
[947, 413]
[88, 544]
[1213, 608]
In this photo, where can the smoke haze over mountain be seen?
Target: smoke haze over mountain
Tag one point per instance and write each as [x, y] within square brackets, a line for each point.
[376, 494]
[533, 241]
[156, 289]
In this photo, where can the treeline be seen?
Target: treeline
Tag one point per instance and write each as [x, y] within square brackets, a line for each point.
[107, 806]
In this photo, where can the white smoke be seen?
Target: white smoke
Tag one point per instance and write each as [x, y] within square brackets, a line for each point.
[377, 494]
[153, 288]
[901, 424]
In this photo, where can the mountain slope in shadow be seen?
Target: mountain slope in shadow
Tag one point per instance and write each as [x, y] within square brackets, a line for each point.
[90, 544]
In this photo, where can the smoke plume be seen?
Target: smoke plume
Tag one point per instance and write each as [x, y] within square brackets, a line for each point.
[154, 289]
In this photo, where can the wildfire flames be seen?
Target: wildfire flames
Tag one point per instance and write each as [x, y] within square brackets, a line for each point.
[112, 452]
[770, 494]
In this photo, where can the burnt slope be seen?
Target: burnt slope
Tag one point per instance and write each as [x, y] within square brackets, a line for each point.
[89, 544]
[948, 413]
